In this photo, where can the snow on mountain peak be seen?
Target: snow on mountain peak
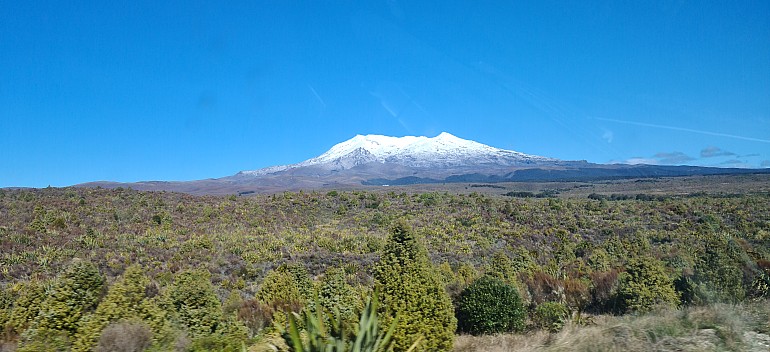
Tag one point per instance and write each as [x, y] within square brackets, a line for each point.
[444, 150]
[384, 147]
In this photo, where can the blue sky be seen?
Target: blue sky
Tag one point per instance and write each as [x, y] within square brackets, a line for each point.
[183, 90]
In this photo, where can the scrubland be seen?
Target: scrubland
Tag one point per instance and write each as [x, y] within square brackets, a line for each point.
[81, 269]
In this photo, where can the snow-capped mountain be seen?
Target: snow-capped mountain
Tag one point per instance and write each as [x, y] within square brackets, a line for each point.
[376, 161]
[444, 150]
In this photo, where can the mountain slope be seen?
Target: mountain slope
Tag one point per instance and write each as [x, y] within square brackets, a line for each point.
[375, 160]
[442, 151]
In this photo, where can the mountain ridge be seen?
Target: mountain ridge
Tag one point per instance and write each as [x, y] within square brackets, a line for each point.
[377, 160]
[444, 150]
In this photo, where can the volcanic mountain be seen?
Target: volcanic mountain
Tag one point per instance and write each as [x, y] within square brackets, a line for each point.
[441, 152]
[376, 160]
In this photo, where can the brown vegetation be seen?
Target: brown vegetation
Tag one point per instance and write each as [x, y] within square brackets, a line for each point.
[221, 272]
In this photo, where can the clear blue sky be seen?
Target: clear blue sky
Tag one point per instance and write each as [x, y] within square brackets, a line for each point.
[183, 90]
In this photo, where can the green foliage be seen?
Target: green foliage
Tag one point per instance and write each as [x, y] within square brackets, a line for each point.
[230, 336]
[75, 293]
[489, 306]
[318, 337]
[285, 289]
[29, 296]
[718, 276]
[335, 293]
[551, 316]
[194, 303]
[301, 277]
[456, 280]
[502, 267]
[6, 303]
[760, 286]
[125, 300]
[645, 285]
[44, 340]
[412, 290]
[686, 289]
[599, 260]
[367, 336]
[287, 283]
[575, 250]
[219, 343]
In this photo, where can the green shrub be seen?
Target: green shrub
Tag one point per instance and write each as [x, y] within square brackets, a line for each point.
[411, 289]
[335, 293]
[230, 336]
[126, 299]
[194, 303]
[26, 305]
[319, 336]
[551, 316]
[286, 288]
[76, 292]
[6, 303]
[760, 286]
[645, 285]
[488, 306]
[718, 275]
[501, 266]
[44, 339]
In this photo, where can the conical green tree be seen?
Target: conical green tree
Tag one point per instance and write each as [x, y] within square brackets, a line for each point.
[335, 293]
[25, 306]
[125, 300]
[75, 293]
[194, 304]
[286, 288]
[411, 289]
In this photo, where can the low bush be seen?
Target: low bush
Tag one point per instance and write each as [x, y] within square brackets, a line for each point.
[488, 306]
[551, 316]
[125, 337]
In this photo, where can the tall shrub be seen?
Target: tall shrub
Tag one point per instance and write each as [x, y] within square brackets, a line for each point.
[77, 291]
[411, 289]
[194, 303]
[125, 300]
[287, 288]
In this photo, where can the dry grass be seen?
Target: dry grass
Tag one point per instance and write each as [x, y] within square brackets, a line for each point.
[501, 343]
[715, 328]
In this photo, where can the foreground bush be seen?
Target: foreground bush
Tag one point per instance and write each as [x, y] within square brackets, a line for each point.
[645, 285]
[551, 316]
[194, 303]
[125, 337]
[368, 335]
[413, 291]
[489, 306]
[75, 293]
[718, 327]
[125, 300]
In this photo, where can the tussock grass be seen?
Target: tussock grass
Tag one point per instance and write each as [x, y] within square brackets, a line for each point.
[719, 327]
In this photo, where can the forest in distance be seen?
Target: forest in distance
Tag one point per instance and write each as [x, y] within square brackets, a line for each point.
[661, 264]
